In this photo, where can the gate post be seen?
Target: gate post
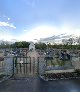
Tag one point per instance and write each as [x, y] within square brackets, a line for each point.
[8, 65]
[42, 65]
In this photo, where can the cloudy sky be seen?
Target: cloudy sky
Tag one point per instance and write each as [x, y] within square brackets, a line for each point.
[35, 19]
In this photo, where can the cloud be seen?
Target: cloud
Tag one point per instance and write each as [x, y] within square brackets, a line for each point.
[6, 24]
[36, 33]
[6, 36]
[48, 31]
[24, 30]
[42, 31]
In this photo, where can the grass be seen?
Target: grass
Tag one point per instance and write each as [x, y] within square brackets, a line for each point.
[61, 63]
[50, 63]
[55, 62]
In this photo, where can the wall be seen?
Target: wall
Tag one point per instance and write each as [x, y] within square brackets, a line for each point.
[76, 62]
[8, 65]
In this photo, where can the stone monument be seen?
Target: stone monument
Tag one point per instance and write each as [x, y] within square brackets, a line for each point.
[31, 46]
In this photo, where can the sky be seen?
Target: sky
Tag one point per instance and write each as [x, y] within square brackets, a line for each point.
[29, 20]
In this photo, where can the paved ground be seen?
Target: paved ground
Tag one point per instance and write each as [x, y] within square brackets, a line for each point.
[38, 85]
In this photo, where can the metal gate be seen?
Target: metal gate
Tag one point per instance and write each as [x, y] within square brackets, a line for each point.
[25, 66]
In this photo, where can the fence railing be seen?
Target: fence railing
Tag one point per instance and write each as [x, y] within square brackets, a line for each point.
[8, 67]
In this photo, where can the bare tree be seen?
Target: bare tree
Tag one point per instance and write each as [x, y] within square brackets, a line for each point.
[70, 41]
[64, 41]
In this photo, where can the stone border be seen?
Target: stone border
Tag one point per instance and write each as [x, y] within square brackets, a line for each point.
[47, 79]
[5, 78]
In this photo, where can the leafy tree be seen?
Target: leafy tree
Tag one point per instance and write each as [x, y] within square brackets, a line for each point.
[22, 44]
[40, 45]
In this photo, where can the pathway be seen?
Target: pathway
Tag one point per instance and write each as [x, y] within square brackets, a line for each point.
[38, 85]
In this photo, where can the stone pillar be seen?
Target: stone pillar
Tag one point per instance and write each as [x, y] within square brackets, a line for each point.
[8, 65]
[42, 65]
[76, 62]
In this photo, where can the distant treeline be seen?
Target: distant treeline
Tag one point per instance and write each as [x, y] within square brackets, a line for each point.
[40, 45]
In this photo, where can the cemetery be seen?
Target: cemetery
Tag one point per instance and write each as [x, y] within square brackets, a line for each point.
[32, 68]
[39, 45]
[23, 62]
[61, 64]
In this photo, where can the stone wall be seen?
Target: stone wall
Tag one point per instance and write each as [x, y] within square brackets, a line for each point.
[8, 65]
[42, 65]
[76, 63]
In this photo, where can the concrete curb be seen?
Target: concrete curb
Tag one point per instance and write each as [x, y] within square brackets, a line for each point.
[5, 78]
[48, 79]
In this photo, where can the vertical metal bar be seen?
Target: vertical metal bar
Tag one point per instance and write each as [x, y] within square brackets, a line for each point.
[20, 58]
[16, 65]
[26, 52]
[33, 65]
[46, 63]
[13, 66]
[26, 65]
[2, 64]
[30, 64]
[38, 66]
[15, 61]
[17, 68]
[20, 65]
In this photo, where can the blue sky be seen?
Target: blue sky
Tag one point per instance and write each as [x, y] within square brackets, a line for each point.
[35, 19]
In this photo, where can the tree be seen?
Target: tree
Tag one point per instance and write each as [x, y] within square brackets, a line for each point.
[22, 44]
[40, 45]
[78, 40]
[70, 41]
[64, 41]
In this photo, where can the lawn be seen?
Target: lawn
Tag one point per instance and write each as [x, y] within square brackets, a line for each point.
[55, 62]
